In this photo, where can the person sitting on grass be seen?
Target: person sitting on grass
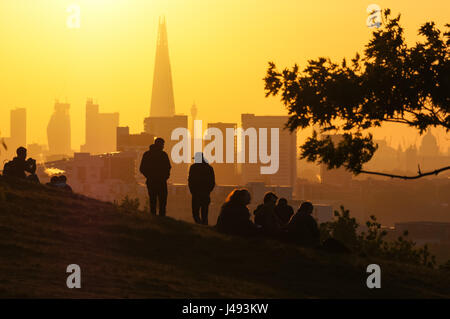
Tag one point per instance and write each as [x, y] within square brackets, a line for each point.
[234, 217]
[284, 211]
[265, 215]
[20, 165]
[59, 182]
[303, 228]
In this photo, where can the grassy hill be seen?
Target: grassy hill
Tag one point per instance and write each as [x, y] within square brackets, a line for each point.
[125, 254]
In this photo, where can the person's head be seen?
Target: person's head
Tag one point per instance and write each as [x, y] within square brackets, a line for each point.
[21, 152]
[54, 179]
[282, 201]
[244, 197]
[239, 196]
[232, 196]
[306, 208]
[63, 179]
[270, 197]
[159, 142]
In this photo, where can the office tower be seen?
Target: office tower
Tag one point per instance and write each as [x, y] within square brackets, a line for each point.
[101, 129]
[226, 173]
[58, 130]
[19, 127]
[133, 142]
[163, 127]
[194, 111]
[287, 170]
[162, 103]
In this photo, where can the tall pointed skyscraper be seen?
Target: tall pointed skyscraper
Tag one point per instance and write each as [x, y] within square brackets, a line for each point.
[162, 94]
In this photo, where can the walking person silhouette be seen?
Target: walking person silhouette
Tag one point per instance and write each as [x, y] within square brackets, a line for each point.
[201, 183]
[155, 166]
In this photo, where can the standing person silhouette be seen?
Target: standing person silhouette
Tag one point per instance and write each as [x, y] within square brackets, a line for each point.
[155, 166]
[201, 183]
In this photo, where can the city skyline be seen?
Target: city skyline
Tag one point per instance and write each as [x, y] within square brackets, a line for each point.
[74, 64]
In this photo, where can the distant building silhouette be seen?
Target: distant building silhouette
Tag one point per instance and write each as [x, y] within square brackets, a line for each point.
[18, 124]
[287, 171]
[411, 158]
[226, 173]
[19, 127]
[58, 130]
[162, 103]
[37, 151]
[132, 142]
[162, 120]
[429, 145]
[100, 130]
[106, 177]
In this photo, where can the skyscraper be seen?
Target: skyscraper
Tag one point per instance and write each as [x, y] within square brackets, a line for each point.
[58, 130]
[17, 136]
[101, 130]
[226, 173]
[19, 127]
[287, 171]
[162, 93]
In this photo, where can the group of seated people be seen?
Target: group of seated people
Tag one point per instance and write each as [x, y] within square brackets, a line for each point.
[271, 218]
[60, 182]
[22, 168]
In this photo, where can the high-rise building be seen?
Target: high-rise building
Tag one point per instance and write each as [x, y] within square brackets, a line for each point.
[58, 130]
[226, 173]
[133, 142]
[19, 127]
[163, 127]
[17, 136]
[162, 103]
[101, 129]
[287, 170]
[162, 120]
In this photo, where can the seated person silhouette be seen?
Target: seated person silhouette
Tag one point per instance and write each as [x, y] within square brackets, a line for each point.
[234, 217]
[265, 215]
[20, 165]
[59, 182]
[284, 211]
[303, 227]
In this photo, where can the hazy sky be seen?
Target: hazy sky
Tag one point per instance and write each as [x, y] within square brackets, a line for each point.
[219, 51]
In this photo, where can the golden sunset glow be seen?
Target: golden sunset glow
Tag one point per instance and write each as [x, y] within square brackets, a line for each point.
[219, 51]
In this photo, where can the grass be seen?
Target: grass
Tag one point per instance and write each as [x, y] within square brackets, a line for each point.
[129, 254]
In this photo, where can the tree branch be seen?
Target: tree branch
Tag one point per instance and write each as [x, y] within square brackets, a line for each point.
[435, 172]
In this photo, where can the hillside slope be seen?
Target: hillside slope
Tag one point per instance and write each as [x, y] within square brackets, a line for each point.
[129, 255]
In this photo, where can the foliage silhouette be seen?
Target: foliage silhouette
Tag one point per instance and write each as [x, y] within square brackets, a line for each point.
[372, 242]
[389, 83]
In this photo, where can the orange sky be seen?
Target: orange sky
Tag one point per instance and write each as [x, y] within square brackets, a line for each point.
[219, 51]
